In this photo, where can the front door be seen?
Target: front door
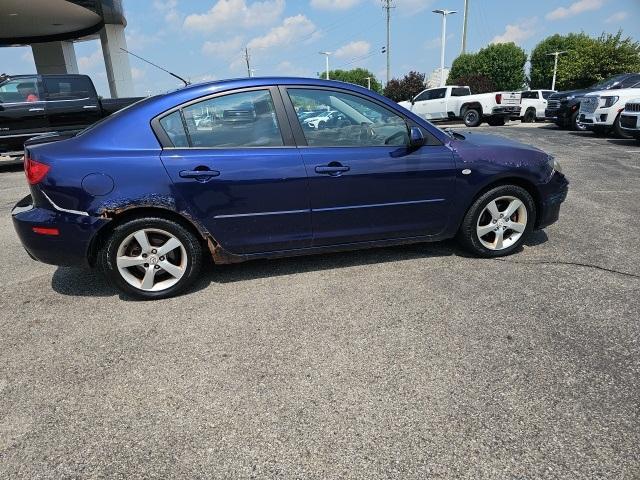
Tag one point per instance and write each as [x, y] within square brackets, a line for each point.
[22, 112]
[239, 172]
[365, 182]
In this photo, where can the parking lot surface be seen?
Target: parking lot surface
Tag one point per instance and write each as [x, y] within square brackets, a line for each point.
[407, 362]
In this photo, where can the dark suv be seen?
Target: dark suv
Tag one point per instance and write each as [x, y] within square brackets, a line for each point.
[563, 107]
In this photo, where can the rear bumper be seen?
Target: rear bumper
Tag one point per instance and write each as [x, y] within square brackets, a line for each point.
[553, 193]
[70, 247]
[506, 110]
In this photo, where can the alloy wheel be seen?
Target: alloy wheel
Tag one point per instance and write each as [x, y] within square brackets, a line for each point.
[502, 222]
[151, 259]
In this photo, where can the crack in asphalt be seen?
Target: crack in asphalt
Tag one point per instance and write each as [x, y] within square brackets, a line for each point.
[574, 264]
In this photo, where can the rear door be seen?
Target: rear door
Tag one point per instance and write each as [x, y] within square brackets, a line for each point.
[240, 174]
[365, 183]
[72, 102]
[22, 109]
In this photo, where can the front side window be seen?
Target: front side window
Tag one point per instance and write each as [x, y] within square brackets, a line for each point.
[425, 95]
[25, 89]
[345, 120]
[244, 119]
[630, 82]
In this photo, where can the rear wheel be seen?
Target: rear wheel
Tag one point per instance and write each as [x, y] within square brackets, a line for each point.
[472, 117]
[498, 222]
[151, 258]
[529, 116]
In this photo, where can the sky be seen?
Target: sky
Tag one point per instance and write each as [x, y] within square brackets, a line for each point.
[205, 39]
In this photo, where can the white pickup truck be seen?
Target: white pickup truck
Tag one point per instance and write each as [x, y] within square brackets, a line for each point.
[534, 104]
[457, 102]
[600, 111]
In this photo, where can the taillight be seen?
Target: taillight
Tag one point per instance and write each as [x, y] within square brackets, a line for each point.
[35, 171]
[498, 98]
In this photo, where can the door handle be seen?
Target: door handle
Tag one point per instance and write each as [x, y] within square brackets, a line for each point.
[334, 170]
[36, 109]
[200, 175]
[87, 107]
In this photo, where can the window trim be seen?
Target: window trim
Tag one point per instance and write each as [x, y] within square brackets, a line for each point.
[298, 132]
[281, 117]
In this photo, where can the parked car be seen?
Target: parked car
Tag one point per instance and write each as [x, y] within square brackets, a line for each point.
[457, 102]
[323, 120]
[146, 195]
[563, 107]
[600, 111]
[630, 118]
[35, 104]
[533, 105]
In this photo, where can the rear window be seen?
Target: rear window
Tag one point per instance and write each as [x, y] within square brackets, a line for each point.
[68, 88]
[530, 94]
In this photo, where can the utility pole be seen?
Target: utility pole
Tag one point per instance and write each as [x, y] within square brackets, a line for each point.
[248, 60]
[443, 41]
[326, 54]
[368, 82]
[555, 66]
[464, 26]
[388, 5]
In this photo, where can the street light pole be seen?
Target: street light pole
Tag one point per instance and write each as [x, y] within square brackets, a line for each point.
[368, 82]
[443, 41]
[326, 54]
[555, 66]
[464, 26]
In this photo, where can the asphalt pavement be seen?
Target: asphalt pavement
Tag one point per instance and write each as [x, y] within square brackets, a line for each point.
[408, 362]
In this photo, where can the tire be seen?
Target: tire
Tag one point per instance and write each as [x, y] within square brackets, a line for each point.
[529, 116]
[618, 131]
[184, 260]
[479, 219]
[575, 124]
[322, 125]
[472, 117]
[497, 121]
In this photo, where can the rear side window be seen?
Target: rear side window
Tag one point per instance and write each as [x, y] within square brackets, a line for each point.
[24, 89]
[244, 119]
[174, 128]
[460, 92]
[68, 88]
[530, 94]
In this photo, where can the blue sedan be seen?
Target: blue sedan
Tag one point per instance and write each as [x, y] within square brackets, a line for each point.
[232, 170]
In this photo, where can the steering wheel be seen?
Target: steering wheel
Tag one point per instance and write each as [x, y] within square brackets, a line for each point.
[395, 136]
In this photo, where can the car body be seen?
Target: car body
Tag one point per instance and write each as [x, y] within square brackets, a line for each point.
[600, 111]
[457, 102]
[266, 188]
[31, 105]
[563, 107]
[533, 104]
[630, 118]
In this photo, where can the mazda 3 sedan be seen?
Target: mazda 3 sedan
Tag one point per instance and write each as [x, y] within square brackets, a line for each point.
[148, 193]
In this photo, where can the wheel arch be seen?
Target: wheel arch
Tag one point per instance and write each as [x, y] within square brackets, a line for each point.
[465, 106]
[118, 218]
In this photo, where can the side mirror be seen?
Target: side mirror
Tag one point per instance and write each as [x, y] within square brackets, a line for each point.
[416, 138]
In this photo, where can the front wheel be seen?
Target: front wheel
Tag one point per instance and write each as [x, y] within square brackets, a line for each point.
[618, 131]
[151, 258]
[498, 222]
[575, 123]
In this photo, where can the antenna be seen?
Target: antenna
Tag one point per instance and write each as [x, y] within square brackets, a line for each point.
[186, 84]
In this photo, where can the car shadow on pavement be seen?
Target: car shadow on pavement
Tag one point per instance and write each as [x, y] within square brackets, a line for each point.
[75, 281]
[625, 142]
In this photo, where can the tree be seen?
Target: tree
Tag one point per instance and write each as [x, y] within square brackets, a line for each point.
[357, 76]
[405, 88]
[477, 83]
[501, 63]
[587, 61]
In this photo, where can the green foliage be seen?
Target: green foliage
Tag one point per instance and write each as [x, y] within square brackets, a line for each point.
[501, 63]
[357, 76]
[588, 60]
[406, 87]
[477, 83]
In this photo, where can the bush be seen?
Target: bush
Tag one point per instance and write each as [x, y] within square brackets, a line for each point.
[477, 83]
[405, 88]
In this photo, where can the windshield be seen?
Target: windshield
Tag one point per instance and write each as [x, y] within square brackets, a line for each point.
[609, 82]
